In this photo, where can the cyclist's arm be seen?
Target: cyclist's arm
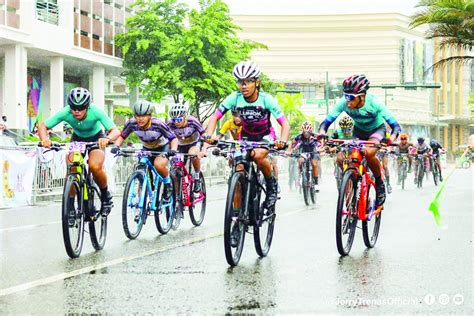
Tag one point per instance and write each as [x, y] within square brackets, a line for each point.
[174, 144]
[119, 141]
[331, 117]
[52, 122]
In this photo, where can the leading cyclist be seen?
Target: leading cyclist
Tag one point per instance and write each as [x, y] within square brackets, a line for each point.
[369, 115]
[87, 121]
[254, 107]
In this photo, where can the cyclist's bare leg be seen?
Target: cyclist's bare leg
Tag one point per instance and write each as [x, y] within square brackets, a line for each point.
[372, 161]
[259, 155]
[96, 166]
[314, 164]
[194, 150]
[161, 165]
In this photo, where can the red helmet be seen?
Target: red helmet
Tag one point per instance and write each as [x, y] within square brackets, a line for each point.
[356, 84]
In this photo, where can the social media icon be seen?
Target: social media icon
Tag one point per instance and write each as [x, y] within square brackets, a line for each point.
[443, 299]
[430, 299]
[458, 299]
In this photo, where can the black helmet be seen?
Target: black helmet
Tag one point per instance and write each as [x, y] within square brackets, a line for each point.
[143, 107]
[79, 99]
[356, 84]
[433, 142]
[421, 140]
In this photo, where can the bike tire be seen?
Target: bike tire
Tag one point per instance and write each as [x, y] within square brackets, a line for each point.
[420, 175]
[72, 217]
[305, 186]
[371, 228]
[404, 175]
[233, 254]
[265, 225]
[97, 228]
[435, 172]
[312, 190]
[346, 221]
[164, 215]
[130, 213]
[197, 220]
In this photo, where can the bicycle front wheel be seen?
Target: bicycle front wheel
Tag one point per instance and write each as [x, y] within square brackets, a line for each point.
[165, 209]
[73, 216]
[198, 200]
[265, 224]
[421, 174]
[435, 172]
[305, 182]
[346, 213]
[235, 219]
[371, 227]
[132, 213]
[97, 228]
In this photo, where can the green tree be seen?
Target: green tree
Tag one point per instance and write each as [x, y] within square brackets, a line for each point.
[452, 22]
[193, 62]
[290, 105]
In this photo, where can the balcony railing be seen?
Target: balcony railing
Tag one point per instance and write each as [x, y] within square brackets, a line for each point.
[47, 12]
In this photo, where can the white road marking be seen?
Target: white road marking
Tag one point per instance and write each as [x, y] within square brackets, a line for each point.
[65, 275]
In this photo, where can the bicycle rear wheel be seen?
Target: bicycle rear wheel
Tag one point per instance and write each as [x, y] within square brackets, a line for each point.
[263, 229]
[235, 220]
[198, 210]
[73, 216]
[346, 213]
[97, 228]
[165, 210]
[371, 228]
[404, 174]
[312, 190]
[132, 213]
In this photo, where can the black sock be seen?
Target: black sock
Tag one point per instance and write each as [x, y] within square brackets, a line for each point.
[316, 180]
[103, 190]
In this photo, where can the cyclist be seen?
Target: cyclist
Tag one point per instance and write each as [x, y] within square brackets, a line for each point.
[232, 125]
[308, 143]
[254, 108]
[155, 136]
[86, 120]
[189, 131]
[369, 115]
[436, 147]
[421, 149]
[345, 130]
[383, 154]
[404, 148]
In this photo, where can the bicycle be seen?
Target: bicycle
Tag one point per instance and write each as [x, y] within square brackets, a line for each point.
[186, 197]
[143, 196]
[81, 202]
[435, 168]
[357, 198]
[403, 169]
[307, 181]
[421, 167]
[246, 190]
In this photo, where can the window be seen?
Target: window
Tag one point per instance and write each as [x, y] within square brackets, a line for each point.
[47, 11]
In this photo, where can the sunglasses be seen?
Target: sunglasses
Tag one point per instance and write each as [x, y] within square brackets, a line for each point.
[351, 97]
[77, 110]
[241, 82]
[403, 138]
[346, 130]
[177, 119]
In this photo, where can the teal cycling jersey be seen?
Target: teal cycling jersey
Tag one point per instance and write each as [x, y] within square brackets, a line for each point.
[255, 115]
[367, 118]
[89, 126]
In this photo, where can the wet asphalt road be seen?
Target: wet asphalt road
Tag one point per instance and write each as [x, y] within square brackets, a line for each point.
[415, 266]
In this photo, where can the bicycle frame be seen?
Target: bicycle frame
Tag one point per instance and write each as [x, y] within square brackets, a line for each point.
[179, 162]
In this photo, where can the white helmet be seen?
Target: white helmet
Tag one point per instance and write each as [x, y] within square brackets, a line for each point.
[246, 69]
[178, 110]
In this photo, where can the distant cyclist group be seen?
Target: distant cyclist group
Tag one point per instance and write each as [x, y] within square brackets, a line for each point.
[167, 177]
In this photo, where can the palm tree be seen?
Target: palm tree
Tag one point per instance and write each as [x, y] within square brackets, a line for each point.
[450, 21]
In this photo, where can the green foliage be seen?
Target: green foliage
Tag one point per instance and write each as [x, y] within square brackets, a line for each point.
[290, 105]
[123, 111]
[269, 86]
[452, 22]
[192, 63]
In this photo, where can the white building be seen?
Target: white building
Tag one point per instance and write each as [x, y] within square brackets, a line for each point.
[48, 47]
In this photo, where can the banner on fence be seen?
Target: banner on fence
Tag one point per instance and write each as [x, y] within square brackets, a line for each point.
[17, 169]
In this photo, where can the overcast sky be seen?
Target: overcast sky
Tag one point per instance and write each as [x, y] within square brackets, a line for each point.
[316, 6]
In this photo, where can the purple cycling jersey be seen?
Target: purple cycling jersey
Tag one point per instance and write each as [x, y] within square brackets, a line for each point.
[190, 133]
[156, 135]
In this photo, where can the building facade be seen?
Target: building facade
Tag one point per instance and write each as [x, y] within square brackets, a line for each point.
[47, 47]
[314, 53]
